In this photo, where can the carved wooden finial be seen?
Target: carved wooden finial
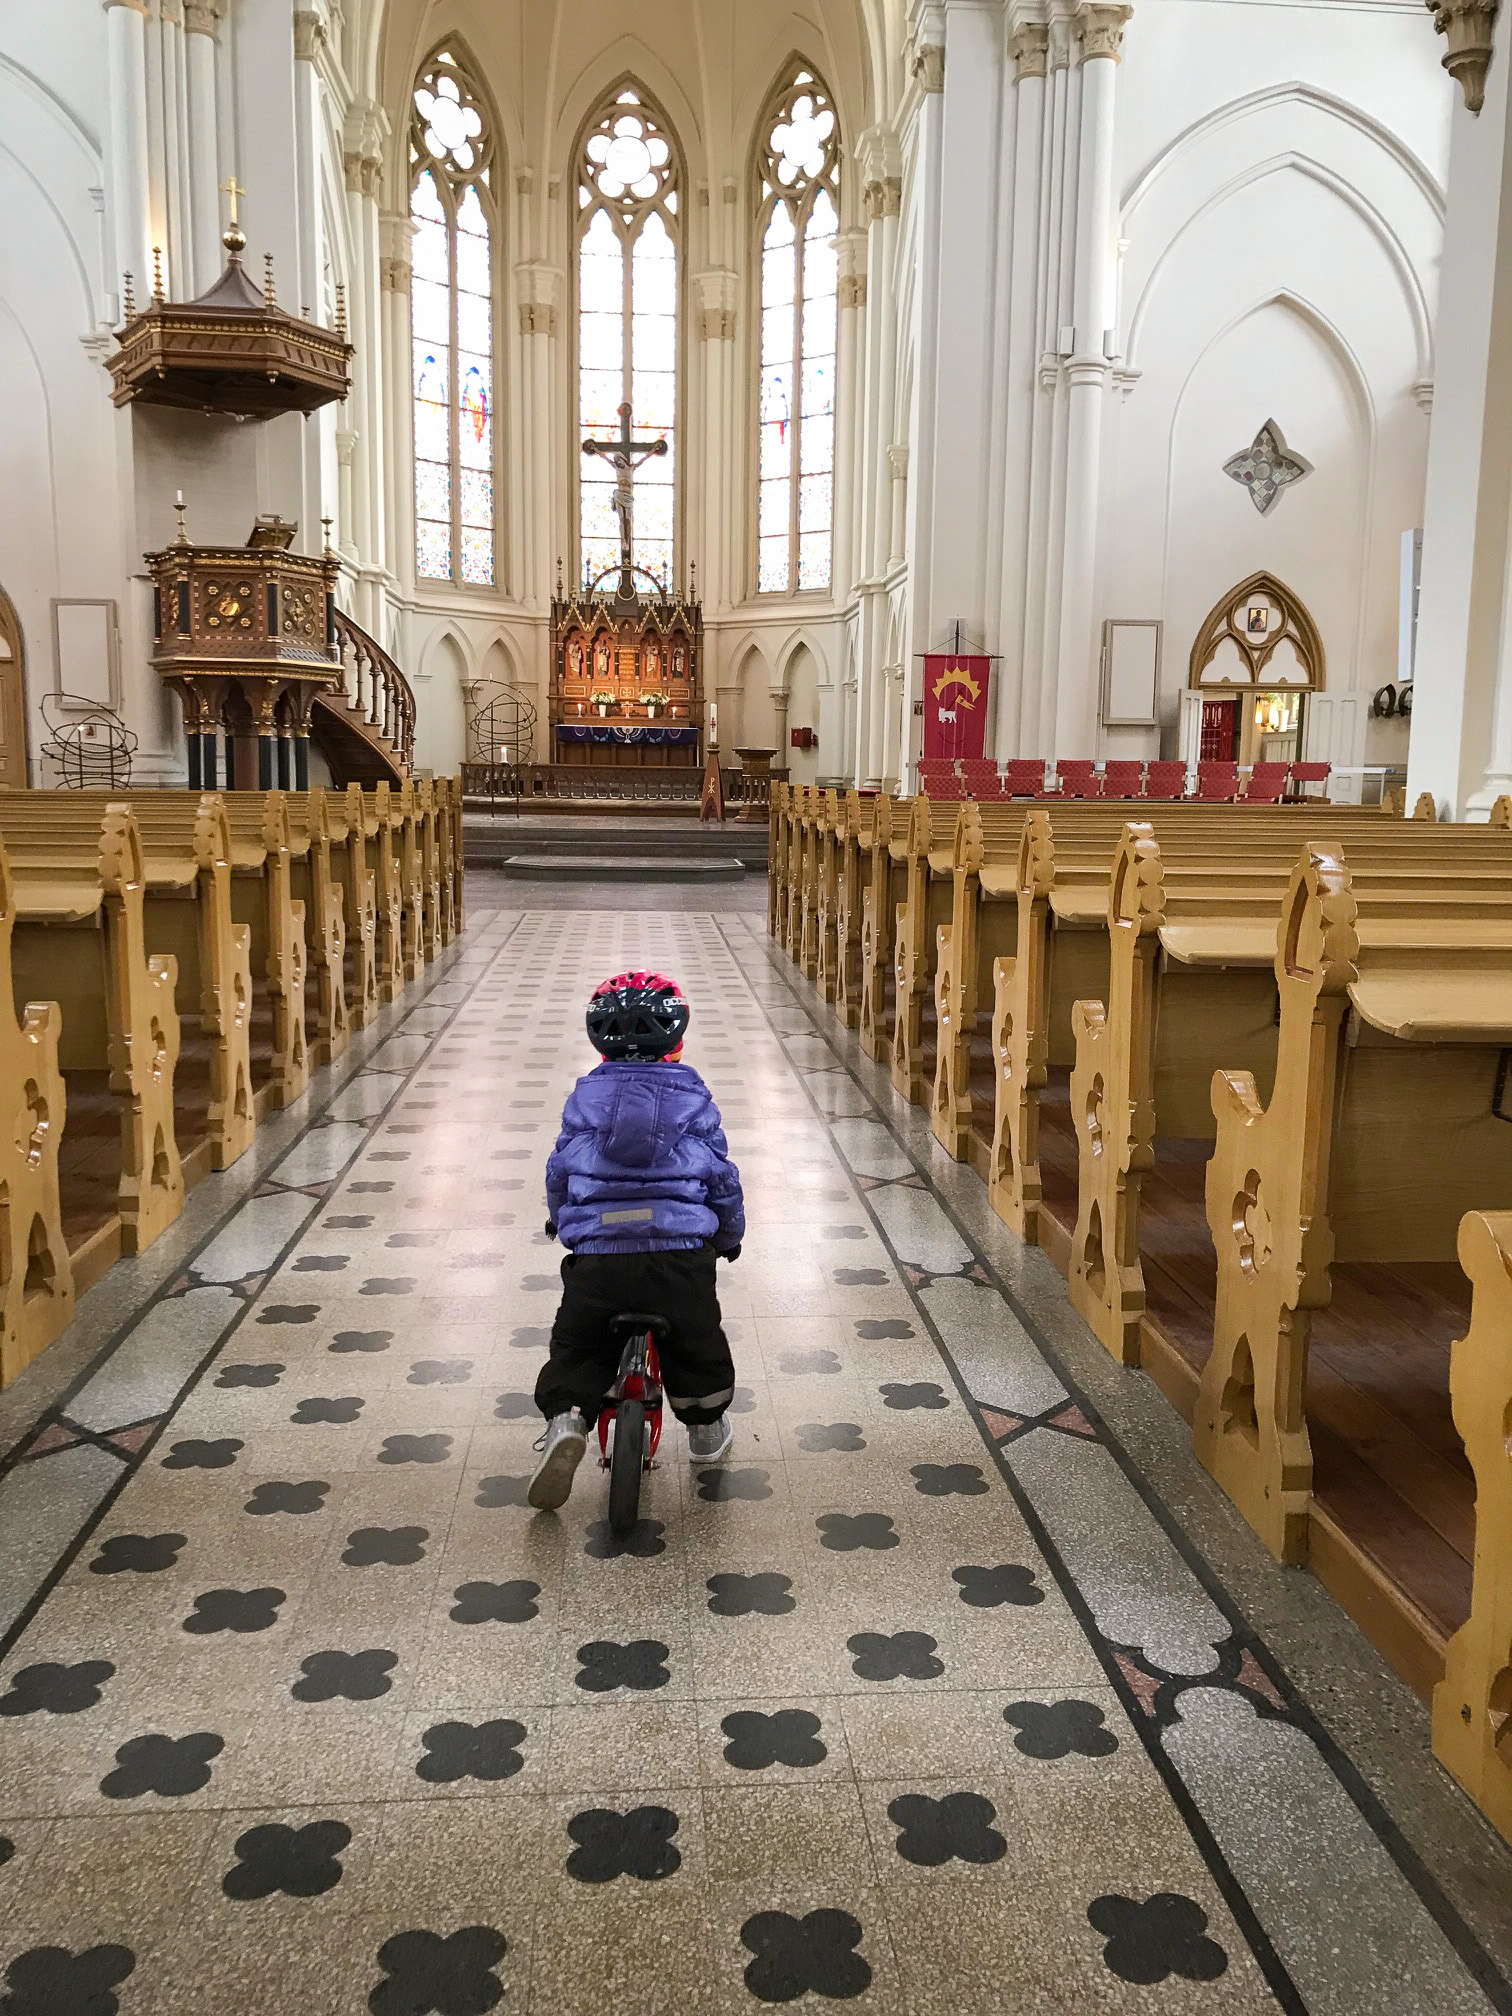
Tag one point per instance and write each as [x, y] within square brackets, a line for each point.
[128, 297]
[1466, 25]
[270, 292]
[341, 312]
[157, 273]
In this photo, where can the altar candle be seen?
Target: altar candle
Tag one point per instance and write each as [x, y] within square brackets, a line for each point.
[178, 500]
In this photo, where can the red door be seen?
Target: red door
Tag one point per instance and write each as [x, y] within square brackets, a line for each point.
[1219, 720]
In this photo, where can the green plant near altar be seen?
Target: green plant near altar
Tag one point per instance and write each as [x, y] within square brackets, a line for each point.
[604, 701]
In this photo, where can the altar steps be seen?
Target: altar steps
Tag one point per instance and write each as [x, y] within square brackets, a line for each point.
[613, 846]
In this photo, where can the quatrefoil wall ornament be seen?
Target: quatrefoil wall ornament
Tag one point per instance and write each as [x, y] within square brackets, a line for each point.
[1267, 467]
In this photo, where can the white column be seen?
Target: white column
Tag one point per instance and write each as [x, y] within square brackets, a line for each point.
[127, 157]
[396, 233]
[852, 306]
[1030, 45]
[309, 36]
[723, 564]
[1100, 30]
[173, 99]
[367, 129]
[1461, 746]
[201, 29]
[540, 290]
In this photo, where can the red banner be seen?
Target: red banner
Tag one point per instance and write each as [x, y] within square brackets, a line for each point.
[955, 706]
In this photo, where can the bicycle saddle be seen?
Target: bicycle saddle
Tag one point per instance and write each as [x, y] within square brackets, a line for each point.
[632, 1319]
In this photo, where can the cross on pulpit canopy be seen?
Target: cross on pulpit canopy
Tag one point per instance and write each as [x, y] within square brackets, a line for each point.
[235, 191]
[625, 455]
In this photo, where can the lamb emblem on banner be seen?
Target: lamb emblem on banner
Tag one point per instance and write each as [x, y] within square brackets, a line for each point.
[957, 679]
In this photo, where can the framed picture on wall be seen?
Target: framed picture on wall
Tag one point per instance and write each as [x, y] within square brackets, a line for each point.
[86, 652]
[1130, 673]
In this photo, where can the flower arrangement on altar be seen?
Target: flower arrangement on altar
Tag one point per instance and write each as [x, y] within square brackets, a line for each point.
[603, 702]
[656, 703]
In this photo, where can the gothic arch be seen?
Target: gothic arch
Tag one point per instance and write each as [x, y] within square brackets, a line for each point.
[13, 723]
[1226, 627]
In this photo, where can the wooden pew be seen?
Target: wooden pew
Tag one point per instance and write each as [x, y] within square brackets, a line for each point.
[382, 831]
[185, 845]
[262, 899]
[347, 816]
[778, 820]
[411, 880]
[448, 854]
[36, 1272]
[430, 868]
[831, 829]
[885, 880]
[1323, 1407]
[78, 938]
[929, 881]
[801, 876]
[853, 853]
[318, 885]
[1471, 1702]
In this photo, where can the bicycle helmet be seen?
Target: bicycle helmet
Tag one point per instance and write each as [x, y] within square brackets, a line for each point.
[637, 1017]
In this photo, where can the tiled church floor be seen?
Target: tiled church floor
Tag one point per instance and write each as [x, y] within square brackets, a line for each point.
[918, 1704]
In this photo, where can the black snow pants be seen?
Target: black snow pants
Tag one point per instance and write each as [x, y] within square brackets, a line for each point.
[698, 1373]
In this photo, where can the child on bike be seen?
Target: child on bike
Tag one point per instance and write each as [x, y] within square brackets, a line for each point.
[641, 1189]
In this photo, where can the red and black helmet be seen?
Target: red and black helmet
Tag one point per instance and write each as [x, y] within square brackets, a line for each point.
[637, 1017]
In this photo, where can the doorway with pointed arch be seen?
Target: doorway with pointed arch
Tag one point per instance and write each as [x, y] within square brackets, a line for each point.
[1257, 659]
[13, 766]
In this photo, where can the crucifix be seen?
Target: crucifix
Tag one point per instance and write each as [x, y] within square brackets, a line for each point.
[625, 456]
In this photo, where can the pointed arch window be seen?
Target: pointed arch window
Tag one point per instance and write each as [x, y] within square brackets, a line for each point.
[797, 219]
[453, 211]
[628, 318]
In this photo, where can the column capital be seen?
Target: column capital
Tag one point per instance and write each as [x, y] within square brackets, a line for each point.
[539, 284]
[852, 290]
[309, 35]
[1100, 28]
[201, 17]
[395, 233]
[882, 197]
[717, 289]
[131, 6]
[925, 53]
[171, 11]
[1030, 44]
[367, 128]
[897, 460]
[538, 318]
[1466, 25]
[878, 155]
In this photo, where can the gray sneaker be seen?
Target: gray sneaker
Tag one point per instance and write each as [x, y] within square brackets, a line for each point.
[562, 1448]
[709, 1441]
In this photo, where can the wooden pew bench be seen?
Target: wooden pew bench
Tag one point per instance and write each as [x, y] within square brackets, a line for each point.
[928, 895]
[185, 846]
[1333, 1210]
[36, 1271]
[852, 862]
[777, 846]
[885, 880]
[78, 938]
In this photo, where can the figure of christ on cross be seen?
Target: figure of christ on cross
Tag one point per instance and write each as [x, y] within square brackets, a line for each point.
[625, 456]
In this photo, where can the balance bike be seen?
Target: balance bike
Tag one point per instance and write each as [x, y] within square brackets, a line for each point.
[633, 1406]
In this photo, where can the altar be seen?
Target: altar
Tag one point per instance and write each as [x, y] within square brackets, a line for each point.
[626, 675]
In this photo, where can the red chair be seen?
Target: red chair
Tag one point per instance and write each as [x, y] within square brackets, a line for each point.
[1078, 779]
[1024, 777]
[1217, 783]
[1311, 773]
[945, 788]
[980, 776]
[937, 778]
[1123, 780]
[1267, 784]
[1165, 781]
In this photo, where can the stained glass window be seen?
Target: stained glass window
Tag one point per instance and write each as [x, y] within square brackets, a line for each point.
[451, 326]
[797, 221]
[627, 325]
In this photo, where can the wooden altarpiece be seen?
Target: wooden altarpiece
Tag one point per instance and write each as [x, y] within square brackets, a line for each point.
[626, 675]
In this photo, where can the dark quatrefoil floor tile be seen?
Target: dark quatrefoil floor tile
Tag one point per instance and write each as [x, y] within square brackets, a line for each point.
[496, 1603]
[439, 1372]
[385, 1546]
[821, 1362]
[754, 1742]
[536, 1284]
[949, 1480]
[905, 1655]
[7, 1850]
[234, 1610]
[957, 1828]
[768, 1595]
[289, 1312]
[642, 1543]
[321, 1263]
[50, 1689]
[514, 1407]
[530, 1336]
[842, 1231]
[345, 1676]
[908, 1397]
[743, 1401]
[813, 1955]
[369, 1189]
[250, 1375]
[487, 1751]
[415, 1449]
[719, 1486]
[1060, 1729]
[1149, 1942]
[309, 1495]
[495, 1492]
[51, 1981]
[640, 1665]
[276, 1860]
[817, 1438]
[609, 1845]
[321, 1412]
[991, 1588]
[347, 1221]
[388, 1284]
[426, 1974]
[851, 1532]
[360, 1340]
[138, 1553]
[170, 1766]
[860, 1277]
[873, 1329]
[196, 1455]
[413, 1239]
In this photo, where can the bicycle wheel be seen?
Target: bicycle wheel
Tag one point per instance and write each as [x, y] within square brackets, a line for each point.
[625, 1465]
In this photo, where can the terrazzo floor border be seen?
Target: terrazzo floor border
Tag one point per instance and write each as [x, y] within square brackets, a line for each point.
[1247, 1641]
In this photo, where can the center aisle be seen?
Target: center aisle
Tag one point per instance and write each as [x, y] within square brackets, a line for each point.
[323, 1719]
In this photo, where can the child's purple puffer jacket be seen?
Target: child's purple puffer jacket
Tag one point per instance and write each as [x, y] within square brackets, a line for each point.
[641, 1164]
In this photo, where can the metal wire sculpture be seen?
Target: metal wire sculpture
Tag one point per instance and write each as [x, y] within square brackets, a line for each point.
[503, 723]
[91, 745]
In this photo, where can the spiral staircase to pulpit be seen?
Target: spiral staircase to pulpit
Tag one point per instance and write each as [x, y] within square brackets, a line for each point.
[364, 726]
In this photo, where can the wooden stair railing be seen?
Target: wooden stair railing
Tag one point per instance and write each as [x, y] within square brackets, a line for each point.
[366, 725]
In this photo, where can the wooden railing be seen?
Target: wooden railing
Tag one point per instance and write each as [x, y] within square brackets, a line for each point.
[376, 689]
[546, 782]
